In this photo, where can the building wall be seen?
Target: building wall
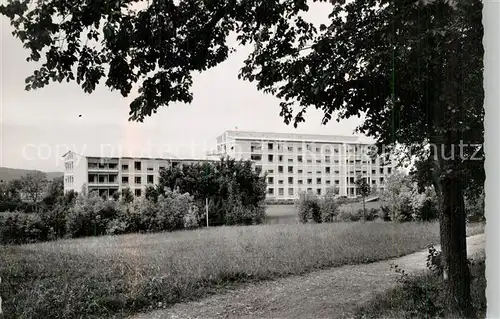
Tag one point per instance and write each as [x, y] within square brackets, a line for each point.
[303, 162]
[108, 175]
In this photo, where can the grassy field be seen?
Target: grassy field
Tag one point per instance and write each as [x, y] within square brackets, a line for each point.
[105, 277]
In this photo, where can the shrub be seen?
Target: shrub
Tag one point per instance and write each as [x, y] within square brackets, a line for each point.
[191, 219]
[308, 207]
[54, 220]
[375, 213]
[90, 216]
[21, 228]
[351, 216]
[172, 207]
[329, 206]
[386, 213]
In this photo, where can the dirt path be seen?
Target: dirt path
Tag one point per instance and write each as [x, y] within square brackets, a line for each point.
[331, 293]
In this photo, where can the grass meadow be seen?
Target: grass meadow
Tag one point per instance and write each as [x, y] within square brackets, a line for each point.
[113, 276]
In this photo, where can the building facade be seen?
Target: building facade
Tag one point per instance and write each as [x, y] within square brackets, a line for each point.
[108, 175]
[307, 162]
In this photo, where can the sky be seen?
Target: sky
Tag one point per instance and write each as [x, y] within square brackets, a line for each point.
[38, 127]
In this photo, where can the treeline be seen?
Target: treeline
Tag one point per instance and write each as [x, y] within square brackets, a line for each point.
[234, 190]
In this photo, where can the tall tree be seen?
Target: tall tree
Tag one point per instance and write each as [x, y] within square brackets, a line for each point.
[34, 184]
[364, 190]
[412, 67]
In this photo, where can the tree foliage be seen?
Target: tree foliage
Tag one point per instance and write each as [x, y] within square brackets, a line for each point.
[235, 191]
[413, 68]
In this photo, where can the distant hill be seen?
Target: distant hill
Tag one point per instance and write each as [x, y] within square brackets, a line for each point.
[8, 174]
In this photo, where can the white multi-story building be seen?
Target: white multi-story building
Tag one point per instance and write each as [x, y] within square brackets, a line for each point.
[307, 162]
[108, 175]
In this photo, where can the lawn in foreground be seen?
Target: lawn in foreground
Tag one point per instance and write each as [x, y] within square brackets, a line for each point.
[118, 275]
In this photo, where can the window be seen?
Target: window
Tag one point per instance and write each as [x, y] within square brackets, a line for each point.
[124, 179]
[337, 182]
[161, 168]
[309, 181]
[150, 169]
[270, 158]
[270, 180]
[327, 159]
[290, 160]
[373, 161]
[318, 149]
[318, 161]
[256, 157]
[374, 171]
[137, 179]
[299, 159]
[381, 171]
[308, 147]
[290, 180]
[309, 189]
[327, 182]
[300, 171]
[299, 149]
[280, 158]
[138, 192]
[270, 171]
[290, 148]
[351, 180]
[258, 168]
[318, 191]
[318, 172]
[270, 146]
[150, 179]
[337, 172]
[290, 169]
[124, 167]
[300, 182]
[280, 169]
[280, 182]
[270, 191]
[336, 161]
[327, 170]
[381, 180]
[281, 191]
[373, 182]
[309, 161]
[389, 170]
[318, 180]
[290, 191]
[137, 166]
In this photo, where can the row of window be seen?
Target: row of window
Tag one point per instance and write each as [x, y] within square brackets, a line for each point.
[308, 147]
[349, 180]
[69, 179]
[138, 167]
[125, 179]
[300, 159]
[328, 170]
[138, 179]
[281, 191]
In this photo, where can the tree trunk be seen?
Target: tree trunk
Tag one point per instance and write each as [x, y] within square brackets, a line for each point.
[454, 248]
[364, 209]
